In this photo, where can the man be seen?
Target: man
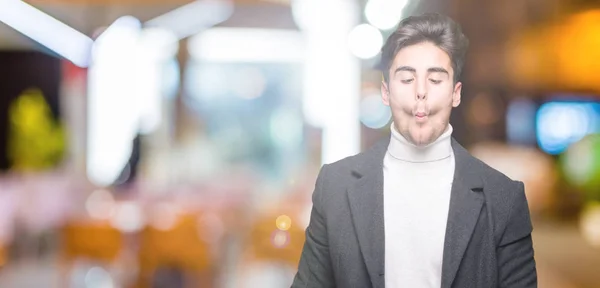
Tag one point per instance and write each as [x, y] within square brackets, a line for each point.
[417, 210]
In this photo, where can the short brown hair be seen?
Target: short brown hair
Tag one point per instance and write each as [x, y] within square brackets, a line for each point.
[438, 29]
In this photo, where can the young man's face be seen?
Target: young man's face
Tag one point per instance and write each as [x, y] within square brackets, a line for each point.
[421, 92]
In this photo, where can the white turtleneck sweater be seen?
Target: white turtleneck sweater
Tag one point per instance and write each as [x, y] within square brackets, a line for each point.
[417, 184]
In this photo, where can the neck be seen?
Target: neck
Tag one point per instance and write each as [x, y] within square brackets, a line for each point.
[404, 150]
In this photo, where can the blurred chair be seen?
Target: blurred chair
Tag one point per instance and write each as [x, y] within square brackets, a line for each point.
[89, 240]
[3, 256]
[95, 240]
[176, 249]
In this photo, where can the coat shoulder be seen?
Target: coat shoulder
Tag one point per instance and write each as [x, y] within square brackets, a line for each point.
[338, 176]
[501, 191]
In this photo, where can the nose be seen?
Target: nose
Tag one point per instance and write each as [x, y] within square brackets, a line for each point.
[422, 90]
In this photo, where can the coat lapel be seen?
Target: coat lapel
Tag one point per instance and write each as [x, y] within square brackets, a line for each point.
[466, 201]
[365, 197]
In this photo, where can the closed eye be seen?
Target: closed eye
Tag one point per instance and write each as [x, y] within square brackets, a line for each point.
[435, 81]
[407, 81]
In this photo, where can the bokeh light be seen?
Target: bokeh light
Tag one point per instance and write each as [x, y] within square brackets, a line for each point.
[128, 217]
[589, 224]
[373, 113]
[97, 277]
[165, 216]
[385, 14]
[280, 239]
[100, 204]
[365, 41]
[560, 124]
[283, 222]
[581, 164]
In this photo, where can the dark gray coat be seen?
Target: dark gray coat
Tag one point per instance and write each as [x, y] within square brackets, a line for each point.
[488, 235]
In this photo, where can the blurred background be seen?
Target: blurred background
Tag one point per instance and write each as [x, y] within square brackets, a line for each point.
[148, 143]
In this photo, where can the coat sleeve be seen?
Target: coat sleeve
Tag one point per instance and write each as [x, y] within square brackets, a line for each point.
[516, 263]
[315, 269]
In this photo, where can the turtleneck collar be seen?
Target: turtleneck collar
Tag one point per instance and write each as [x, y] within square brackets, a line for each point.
[403, 150]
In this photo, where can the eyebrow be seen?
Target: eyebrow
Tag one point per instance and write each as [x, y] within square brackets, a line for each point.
[430, 70]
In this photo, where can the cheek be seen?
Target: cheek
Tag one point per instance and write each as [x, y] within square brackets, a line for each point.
[401, 108]
[401, 96]
[441, 100]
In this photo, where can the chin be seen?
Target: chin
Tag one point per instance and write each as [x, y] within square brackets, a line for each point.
[422, 142]
[422, 136]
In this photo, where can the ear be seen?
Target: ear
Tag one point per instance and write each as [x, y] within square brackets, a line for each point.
[456, 94]
[385, 93]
